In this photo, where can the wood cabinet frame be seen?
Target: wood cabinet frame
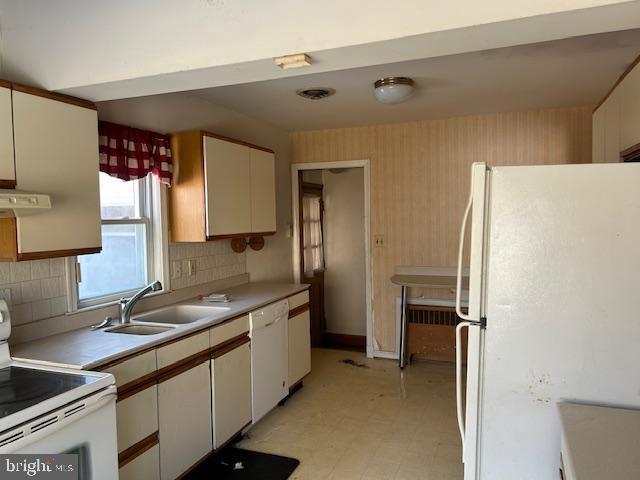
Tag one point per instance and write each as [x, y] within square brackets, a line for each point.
[188, 196]
[9, 226]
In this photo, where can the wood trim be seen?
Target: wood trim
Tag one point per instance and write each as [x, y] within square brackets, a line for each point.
[9, 184]
[57, 253]
[136, 386]
[615, 85]
[298, 310]
[5, 83]
[312, 189]
[59, 97]
[229, 347]
[8, 239]
[182, 366]
[631, 154]
[234, 140]
[239, 235]
[137, 449]
[340, 340]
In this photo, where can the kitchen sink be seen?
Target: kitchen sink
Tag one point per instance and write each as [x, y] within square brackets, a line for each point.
[131, 329]
[180, 314]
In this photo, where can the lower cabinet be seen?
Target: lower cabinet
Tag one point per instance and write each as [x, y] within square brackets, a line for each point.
[184, 408]
[145, 466]
[299, 346]
[231, 389]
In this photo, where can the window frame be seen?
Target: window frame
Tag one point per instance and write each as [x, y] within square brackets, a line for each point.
[153, 215]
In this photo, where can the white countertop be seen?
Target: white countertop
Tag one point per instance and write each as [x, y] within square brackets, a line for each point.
[600, 442]
[85, 348]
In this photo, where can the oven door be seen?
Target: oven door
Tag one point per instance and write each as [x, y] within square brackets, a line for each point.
[86, 427]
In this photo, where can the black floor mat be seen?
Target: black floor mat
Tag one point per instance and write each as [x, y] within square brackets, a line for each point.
[237, 464]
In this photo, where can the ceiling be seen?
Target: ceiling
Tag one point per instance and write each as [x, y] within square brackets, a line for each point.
[575, 71]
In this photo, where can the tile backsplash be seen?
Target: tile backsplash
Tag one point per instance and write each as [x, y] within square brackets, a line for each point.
[37, 289]
[211, 261]
[34, 290]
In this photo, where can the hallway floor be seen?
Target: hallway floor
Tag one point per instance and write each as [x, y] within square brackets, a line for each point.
[367, 421]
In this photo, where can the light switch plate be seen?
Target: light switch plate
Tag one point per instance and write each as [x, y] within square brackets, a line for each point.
[192, 267]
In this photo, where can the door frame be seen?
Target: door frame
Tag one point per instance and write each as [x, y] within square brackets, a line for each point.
[297, 274]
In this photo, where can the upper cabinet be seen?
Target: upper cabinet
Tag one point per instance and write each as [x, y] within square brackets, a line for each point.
[223, 188]
[630, 109]
[7, 165]
[616, 121]
[56, 153]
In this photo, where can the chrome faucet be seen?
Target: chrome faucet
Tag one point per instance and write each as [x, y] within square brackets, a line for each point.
[126, 306]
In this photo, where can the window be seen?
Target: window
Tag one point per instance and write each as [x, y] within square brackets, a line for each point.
[128, 258]
[313, 254]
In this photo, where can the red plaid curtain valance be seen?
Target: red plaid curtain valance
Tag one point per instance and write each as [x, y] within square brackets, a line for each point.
[129, 153]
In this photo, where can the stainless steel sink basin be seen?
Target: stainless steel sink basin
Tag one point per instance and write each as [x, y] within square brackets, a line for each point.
[180, 314]
[133, 329]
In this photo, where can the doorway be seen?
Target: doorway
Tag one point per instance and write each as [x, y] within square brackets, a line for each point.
[331, 251]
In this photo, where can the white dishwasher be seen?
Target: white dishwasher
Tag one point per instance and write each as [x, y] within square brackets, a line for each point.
[269, 357]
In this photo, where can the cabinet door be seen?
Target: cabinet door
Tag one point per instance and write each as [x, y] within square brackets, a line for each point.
[184, 411]
[612, 127]
[263, 191]
[7, 167]
[598, 135]
[299, 347]
[56, 152]
[629, 90]
[144, 466]
[137, 417]
[227, 176]
[231, 380]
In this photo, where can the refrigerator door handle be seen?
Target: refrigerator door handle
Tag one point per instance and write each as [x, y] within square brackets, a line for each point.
[463, 230]
[459, 405]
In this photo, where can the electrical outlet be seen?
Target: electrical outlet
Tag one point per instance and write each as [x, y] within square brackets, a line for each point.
[192, 267]
[378, 241]
[176, 271]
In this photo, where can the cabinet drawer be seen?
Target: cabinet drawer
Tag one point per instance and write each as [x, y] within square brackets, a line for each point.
[144, 466]
[176, 351]
[137, 417]
[298, 300]
[226, 331]
[133, 368]
[299, 347]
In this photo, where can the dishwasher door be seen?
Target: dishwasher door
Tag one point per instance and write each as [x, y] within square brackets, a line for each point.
[269, 357]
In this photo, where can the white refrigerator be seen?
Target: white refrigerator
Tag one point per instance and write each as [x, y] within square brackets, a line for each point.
[554, 309]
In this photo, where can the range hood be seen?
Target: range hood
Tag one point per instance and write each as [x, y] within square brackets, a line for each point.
[16, 203]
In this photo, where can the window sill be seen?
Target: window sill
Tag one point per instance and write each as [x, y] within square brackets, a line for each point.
[111, 303]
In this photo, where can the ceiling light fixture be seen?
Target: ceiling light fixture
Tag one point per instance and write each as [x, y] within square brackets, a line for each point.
[293, 61]
[393, 89]
[315, 93]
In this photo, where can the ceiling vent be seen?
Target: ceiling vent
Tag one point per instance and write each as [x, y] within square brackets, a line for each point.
[316, 93]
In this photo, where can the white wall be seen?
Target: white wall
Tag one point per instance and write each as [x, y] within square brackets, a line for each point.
[183, 111]
[344, 277]
[180, 45]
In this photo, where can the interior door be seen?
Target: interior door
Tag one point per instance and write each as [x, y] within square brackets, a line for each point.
[314, 277]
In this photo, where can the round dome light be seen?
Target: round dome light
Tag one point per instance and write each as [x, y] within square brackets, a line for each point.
[393, 89]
